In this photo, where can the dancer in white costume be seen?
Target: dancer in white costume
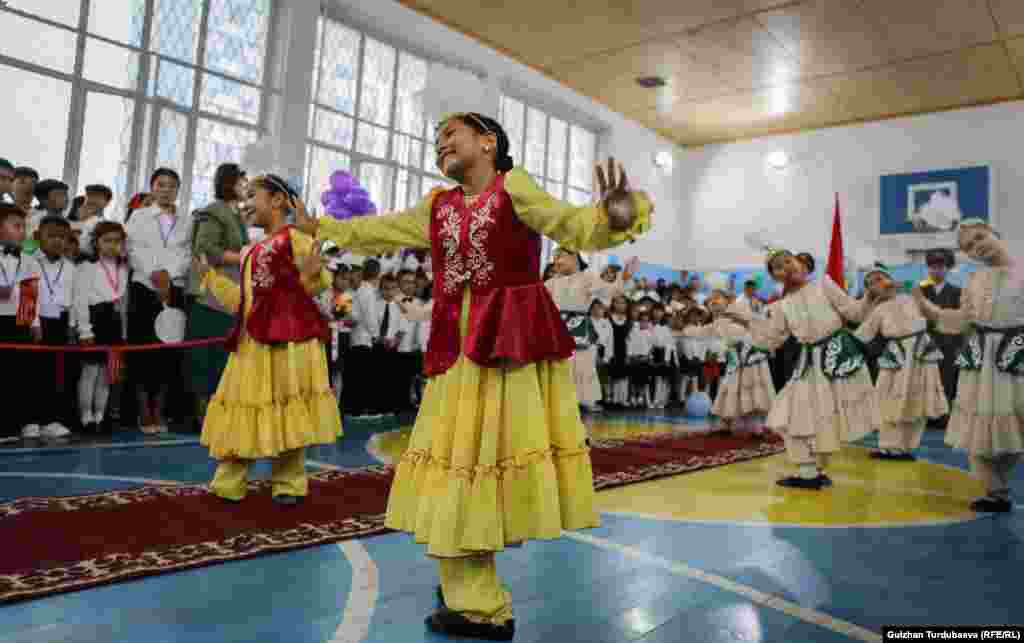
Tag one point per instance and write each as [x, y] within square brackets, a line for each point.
[988, 414]
[829, 399]
[909, 384]
[573, 289]
[746, 392]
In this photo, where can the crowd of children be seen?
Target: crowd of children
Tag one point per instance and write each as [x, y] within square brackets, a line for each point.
[70, 274]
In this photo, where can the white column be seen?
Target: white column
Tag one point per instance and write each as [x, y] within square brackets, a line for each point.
[295, 44]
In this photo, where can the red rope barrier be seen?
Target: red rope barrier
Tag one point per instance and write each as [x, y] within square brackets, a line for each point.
[114, 361]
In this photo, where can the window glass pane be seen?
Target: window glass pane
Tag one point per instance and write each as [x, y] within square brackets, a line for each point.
[63, 11]
[414, 190]
[579, 197]
[170, 145]
[119, 20]
[581, 160]
[230, 99]
[111, 65]
[216, 143]
[37, 43]
[338, 66]
[35, 125]
[377, 181]
[106, 146]
[402, 190]
[555, 189]
[557, 133]
[321, 163]
[333, 128]
[378, 82]
[412, 79]
[512, 120]
[173, 82]
[536, 140]
[372, 141]
[406, 150]
[176, 28]
[236, 39]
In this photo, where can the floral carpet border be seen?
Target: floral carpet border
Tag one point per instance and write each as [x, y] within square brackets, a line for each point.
[121, 567]
[693, 463]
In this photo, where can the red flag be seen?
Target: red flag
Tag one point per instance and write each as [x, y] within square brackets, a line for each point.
[835, 250]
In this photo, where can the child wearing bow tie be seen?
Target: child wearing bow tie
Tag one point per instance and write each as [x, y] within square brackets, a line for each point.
[19, 322]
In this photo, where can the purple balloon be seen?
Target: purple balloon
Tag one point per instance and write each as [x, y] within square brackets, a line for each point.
[340, 213]
[342, 181]
[359, 203]
[334, 200]
[325, 197]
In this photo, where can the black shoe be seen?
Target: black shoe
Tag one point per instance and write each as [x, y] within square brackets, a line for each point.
[285, 499]
[992, 505]
[824, 479]
[906, 457]
[796, 482]
[444, 621]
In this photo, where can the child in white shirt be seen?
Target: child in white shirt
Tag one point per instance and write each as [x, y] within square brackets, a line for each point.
[99, 301]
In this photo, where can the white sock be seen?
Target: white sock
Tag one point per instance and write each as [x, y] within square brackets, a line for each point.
[87, 391]
[102, 395]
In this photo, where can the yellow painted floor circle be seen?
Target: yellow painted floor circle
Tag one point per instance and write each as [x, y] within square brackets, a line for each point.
[866, 492]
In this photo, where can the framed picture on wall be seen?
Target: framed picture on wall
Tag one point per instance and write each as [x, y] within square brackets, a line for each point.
[922, 209]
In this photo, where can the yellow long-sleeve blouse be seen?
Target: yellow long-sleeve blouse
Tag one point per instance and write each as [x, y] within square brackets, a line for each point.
[579, 228]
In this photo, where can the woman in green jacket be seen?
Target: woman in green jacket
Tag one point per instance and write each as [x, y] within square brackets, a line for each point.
[221, 233]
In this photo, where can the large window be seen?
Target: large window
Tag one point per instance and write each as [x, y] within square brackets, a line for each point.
[559, 156]
[367, 118]
[108, 90]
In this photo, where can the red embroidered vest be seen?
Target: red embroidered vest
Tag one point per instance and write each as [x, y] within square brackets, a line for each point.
[512, 318]
[282, 311]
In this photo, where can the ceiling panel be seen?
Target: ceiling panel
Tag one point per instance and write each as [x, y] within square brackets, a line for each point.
[613, 76]
[827, 36]
[745, 53]
[912, 29]
[543, 32]
[1016, 49]
[962, 78]
[744, 68]
[1009, 15]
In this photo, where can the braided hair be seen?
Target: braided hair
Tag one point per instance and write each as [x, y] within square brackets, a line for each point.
[485, 125]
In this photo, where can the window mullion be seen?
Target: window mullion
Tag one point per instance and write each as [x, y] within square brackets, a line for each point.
[269, 60]
[356, 123]
[136, 169]
[393, 134]
[73, 146]
[192, 131]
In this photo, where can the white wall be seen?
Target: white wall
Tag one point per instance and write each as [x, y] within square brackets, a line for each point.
[630, 143]
[729, 190]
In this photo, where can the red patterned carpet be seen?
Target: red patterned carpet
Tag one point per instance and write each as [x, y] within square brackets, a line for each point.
[54, 545]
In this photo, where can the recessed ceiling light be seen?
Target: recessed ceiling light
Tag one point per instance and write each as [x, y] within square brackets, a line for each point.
[663, 160]
[778, 160]
[650, 82]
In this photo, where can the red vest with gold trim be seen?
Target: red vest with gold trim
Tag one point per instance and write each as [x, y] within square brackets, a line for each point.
[282, 311]
[512, 319]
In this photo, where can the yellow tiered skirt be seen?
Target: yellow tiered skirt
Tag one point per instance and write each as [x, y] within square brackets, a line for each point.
[271, 399]
[497, 456]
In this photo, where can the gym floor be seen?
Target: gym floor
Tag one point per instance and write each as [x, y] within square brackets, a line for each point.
[716, 555]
